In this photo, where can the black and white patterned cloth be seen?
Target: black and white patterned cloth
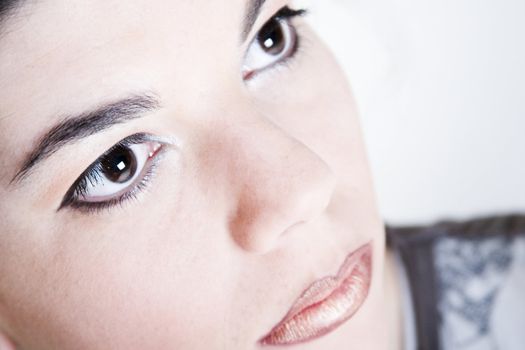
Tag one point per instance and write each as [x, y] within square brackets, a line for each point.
[466, 281]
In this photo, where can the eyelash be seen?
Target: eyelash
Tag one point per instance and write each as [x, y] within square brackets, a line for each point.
[287, 13]
[284, 14]
[93, 175]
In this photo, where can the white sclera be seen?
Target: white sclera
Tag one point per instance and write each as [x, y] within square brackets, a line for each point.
[257, 58]
[104, 189]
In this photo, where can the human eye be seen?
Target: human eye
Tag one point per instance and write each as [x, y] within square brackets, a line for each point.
[276, 42]
[116, 176]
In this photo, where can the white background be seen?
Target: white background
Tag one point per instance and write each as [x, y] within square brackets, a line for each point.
[441, 91]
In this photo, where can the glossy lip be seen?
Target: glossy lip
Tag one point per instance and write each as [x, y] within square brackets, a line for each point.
[327, 303]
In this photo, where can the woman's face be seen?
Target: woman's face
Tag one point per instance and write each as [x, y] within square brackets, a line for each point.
[174, 177]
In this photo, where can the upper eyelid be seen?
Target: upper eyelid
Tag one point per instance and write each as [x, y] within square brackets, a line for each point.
[137, 138]
[287, 14]
[261, 21]
[134, 139]
[75, 127]
[110, 203]
[127, 141]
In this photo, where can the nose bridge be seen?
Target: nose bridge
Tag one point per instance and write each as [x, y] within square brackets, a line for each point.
[281, 182]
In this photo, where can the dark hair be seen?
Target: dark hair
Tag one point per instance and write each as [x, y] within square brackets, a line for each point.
[7, 7]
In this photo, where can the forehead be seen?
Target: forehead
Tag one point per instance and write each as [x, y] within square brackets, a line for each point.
[57, 57]
[60, 37]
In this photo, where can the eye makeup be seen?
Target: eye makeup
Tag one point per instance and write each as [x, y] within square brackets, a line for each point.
[127, 169]
[276, 42]
[120, 172]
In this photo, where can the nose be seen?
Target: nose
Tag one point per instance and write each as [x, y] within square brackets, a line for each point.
[281, 182]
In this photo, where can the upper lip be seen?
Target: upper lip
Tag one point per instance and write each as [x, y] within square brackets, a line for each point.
[322, 290]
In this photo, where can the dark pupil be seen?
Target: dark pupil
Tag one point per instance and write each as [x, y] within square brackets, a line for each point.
[119, 165]
[271, 37]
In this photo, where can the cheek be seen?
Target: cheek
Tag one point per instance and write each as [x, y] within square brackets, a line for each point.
[108, 286]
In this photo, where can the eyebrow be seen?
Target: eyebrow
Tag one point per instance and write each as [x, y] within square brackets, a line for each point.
[7, 7]
[74, 128]
[252, 12]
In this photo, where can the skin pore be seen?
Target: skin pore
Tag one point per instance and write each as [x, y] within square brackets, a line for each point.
[251, 178]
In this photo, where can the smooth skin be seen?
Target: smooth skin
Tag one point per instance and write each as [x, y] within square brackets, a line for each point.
[266, 189]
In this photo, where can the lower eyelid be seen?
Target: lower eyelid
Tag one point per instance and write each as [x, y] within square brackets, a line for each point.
[284, 63]
[139, 188]
[155, 157]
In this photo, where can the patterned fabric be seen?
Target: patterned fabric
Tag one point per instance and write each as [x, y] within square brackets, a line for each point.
[470, 277]
[467, 281]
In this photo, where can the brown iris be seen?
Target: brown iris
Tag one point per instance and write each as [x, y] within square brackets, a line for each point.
[271, 37]
[119, 165]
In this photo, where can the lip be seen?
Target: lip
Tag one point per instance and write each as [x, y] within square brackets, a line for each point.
[327, 303]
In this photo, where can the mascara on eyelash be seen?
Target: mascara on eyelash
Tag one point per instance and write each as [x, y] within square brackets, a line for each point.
[93, 174]
[281, 15]
[97, 207]
[287, 12]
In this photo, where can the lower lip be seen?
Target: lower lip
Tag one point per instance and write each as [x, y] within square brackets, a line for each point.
[348, 291]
